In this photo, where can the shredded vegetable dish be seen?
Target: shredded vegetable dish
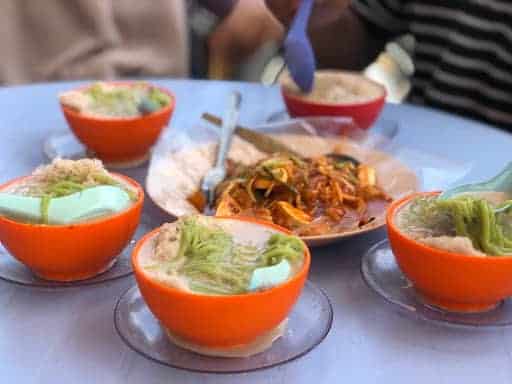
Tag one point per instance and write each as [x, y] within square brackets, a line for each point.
[310, 196]
[116, 100]
[64, 177]
[464, 224]
[198, 254]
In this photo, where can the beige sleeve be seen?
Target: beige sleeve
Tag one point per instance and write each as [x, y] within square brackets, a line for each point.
[93, 39]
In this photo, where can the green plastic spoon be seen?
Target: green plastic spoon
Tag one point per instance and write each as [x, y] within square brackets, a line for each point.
[269, 276]
[502, 182]
[85, 205]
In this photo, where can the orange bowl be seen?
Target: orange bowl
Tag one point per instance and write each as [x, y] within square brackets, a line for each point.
[364, 113]
[120, 140]
[218, 321]
[451, 281]
[73, 251]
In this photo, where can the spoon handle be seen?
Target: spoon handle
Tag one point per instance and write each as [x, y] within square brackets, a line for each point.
[228, 126]
[300, 22]
[503, 180]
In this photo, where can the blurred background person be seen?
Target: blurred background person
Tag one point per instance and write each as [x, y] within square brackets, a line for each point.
[105, 39]
[462, 51]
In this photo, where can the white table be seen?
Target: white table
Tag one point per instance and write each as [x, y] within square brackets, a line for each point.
[67, 336]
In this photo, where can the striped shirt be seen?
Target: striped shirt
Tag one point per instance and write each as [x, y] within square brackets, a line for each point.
[463, 52]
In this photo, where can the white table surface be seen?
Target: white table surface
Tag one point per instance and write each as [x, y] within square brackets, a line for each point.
[67, 335]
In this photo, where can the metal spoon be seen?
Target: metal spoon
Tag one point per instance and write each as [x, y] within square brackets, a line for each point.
[218, 172]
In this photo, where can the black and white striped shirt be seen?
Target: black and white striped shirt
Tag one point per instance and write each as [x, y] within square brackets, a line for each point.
[463, 54]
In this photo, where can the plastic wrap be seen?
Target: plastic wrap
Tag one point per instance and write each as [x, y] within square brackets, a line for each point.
[182, 158]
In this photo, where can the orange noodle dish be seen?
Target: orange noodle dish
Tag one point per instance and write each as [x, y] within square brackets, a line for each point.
[309, 196]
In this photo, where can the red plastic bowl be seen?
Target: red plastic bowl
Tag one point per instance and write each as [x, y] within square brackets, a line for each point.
[363, 113]
[219, 321]
[119, 140]
[76, 251]
[451, 281]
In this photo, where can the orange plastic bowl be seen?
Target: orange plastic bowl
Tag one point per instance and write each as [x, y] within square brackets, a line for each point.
[75, 251]
[219, 321]
[363, 113]
[119, 140]
[451, 281]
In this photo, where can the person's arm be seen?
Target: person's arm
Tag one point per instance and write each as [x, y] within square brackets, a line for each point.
[245, 29]
[340, 35]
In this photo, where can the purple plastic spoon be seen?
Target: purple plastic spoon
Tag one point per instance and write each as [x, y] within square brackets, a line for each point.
[298, 54]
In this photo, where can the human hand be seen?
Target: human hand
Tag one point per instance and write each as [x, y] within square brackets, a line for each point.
[239, 35]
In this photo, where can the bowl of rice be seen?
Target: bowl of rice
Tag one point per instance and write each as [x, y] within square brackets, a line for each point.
[336, 93]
